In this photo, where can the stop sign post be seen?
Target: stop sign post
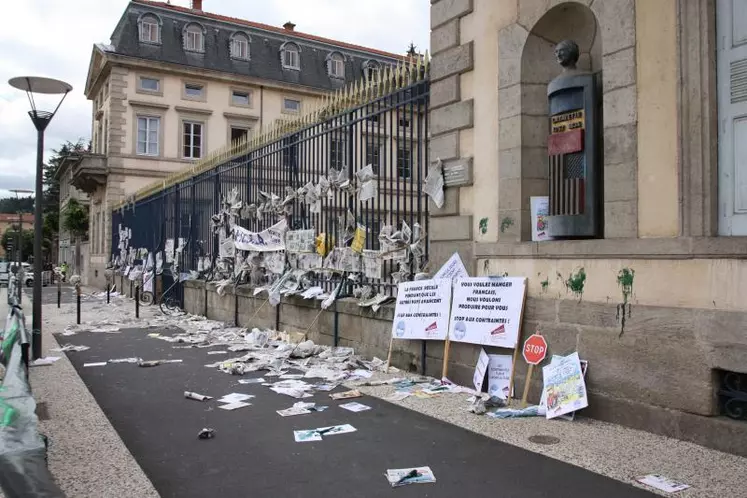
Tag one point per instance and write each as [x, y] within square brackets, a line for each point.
[535, 350]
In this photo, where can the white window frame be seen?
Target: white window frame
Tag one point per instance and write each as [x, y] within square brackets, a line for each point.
[336, 66]
[194, 38]
[141, 87]
[248, 98]
[191, 135]
[152, 26]
[288, 110]
[291, 57]
[149, 120]
[194, 86]
[371, 69]
[240, 47]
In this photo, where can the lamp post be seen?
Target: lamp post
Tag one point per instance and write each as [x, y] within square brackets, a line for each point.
[41, 119]
[19, 249]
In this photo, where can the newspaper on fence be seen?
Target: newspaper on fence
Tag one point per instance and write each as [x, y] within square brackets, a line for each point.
[434, 183]
[565, 386]
[372, 263]
[422, 310]
[168, 250]
[300, 241]
[274, 262]
[270, 239]
[367, 181]
[359, 239]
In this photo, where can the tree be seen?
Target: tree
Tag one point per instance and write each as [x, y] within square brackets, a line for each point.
[75, 221]
[15, 205]
[9, 242]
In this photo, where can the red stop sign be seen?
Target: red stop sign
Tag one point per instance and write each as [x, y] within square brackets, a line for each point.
[535, 349]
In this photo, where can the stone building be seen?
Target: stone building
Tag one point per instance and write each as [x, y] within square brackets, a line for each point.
[175, 83]
[656, 302]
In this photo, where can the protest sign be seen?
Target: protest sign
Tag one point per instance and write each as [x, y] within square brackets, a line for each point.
[543, 400]
[487, 310]
[270, 239]
[422, 310]
[482, 366]
[565, 386]
[499, 375]
[453, 268]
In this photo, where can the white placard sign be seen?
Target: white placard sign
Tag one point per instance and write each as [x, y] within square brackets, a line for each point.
[422, 310]
[487, 310]
[482, 366]
[499, 375]
[564, 386]
[453, 268]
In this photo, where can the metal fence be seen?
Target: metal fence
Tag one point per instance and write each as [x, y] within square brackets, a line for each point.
[383, 122]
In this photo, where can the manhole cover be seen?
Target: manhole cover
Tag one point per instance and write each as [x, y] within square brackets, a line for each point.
[542, 439]
[41, 411]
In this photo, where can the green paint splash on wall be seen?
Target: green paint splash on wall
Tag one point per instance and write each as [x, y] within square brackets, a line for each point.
[484, 226]
[625, 278]
[575, 282]
[506, 223]
[545, 284]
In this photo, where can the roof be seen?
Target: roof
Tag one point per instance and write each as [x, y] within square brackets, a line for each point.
[267, 27]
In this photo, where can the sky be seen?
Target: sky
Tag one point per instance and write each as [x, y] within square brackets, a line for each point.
[54, 38]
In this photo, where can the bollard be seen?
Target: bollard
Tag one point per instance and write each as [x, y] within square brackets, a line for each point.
[59, 292]
[137, 301]
[131, 283]
[78, 300]
[108, 288]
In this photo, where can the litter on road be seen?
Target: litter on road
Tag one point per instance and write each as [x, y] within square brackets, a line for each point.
[206, 433]
[195, 396]
[316, 434]
[235, 397]
[155, 363]
[346, 395]
[403, 477]
[47, 360]
[95, 364]
[126, 360]
[234, 406]
[69, 347]
[662, 483]
[252, 381]
[355, 407]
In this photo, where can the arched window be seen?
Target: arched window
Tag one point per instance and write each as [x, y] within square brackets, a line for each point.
[290, 56]
[240, 46]
[194, 38]
[149, 27]
[336, 65]
[371, 69]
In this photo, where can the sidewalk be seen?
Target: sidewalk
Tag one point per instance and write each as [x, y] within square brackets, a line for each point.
[86, 455]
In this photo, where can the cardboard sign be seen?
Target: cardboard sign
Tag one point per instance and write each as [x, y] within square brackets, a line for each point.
[487, 310]
[422, 310]
[482, 366]
[270, 239]
[565, 386]
[499, 375]
[453, 268]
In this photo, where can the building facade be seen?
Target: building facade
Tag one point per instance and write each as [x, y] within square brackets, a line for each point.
[176, 83]
[655, 301]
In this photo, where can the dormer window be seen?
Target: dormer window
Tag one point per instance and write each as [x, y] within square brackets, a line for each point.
[149, 26]
[194, 38]
[240, 46]
[371, 69]
[290, 56]
[336, 65]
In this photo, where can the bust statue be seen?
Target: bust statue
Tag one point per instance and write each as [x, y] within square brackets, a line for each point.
[566, 52]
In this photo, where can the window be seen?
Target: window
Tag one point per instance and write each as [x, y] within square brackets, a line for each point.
[192, 140]
[150, 84]
[240, 46]
[192, 90]
[150, 29]
[194, 40]
[290, 56]
[337, 154]
[404, 123]
[336, 66]
[148, 128]
[404, 161]
[238, 133]
[371, 69]
[240, 98]
[291, 105]
[373, 153]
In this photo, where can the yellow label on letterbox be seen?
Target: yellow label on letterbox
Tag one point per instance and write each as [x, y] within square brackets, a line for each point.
[568, 121]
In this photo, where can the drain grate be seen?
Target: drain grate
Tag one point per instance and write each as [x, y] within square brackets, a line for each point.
[544, 439]
[41, 411]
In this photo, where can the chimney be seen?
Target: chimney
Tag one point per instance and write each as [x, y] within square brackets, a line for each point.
[197, 4]
[289, 26]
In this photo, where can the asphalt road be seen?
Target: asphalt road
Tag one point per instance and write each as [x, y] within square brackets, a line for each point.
[254, 452]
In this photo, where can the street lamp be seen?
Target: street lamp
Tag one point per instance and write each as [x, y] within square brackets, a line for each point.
[38, 85]
[19, 249]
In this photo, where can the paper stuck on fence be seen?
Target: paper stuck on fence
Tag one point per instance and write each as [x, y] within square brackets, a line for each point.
[403, 477]
[270, 239]
[434, 183]
[499, 375]
[482, 366]
[300, 241]
[487, 310]
[422, 310]
[662, 483]
[565, 386]
[355, 407]
[371, 263]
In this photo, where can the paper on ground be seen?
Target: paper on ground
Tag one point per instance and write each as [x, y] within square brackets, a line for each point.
[95, 364]
[398, 477]
[316, 434]
[252, 381]
[234, 397]
[48, 360]
[346, 395]
[398, 396]
[233, 406]
[293, 410]
[662, 483]
[355, 407]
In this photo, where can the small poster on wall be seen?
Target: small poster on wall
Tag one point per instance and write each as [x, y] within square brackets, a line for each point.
[540, 207]
[487, 310]
[422, 310]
